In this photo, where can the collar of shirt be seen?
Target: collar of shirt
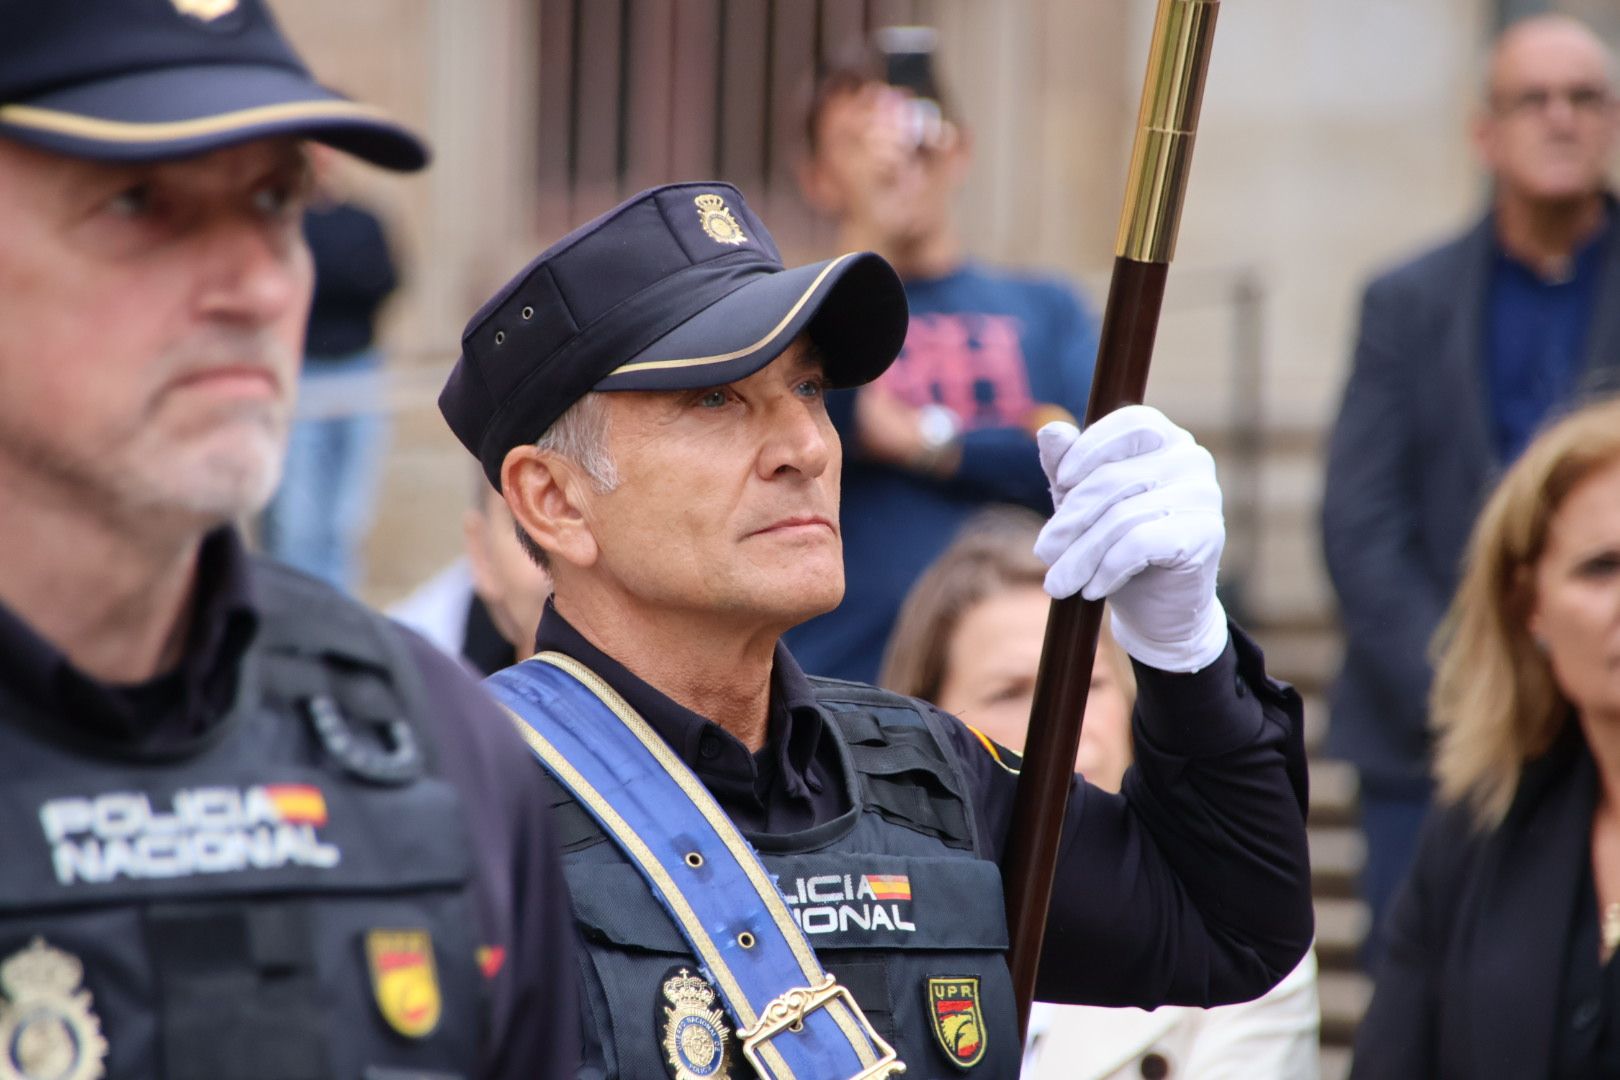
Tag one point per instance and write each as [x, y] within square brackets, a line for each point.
[1583, 263]
[163, 711]
[788, 786]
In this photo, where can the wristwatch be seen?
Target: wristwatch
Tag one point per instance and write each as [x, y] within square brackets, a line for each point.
[938, 428]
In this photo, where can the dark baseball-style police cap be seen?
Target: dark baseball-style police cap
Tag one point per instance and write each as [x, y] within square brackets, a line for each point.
[679, 288]
[149, 80]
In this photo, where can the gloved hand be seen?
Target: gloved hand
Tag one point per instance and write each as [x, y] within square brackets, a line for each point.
[1138, 520]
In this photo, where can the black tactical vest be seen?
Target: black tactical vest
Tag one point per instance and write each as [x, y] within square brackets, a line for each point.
[289, 899]
[894, 895]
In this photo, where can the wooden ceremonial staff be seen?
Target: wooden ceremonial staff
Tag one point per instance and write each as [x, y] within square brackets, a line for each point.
[1160, 161]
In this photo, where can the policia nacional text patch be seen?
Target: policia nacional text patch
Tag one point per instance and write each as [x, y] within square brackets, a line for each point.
[696, 1038]
[956, 1018]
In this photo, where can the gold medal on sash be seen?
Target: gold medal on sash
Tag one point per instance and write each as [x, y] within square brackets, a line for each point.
[697, 1042]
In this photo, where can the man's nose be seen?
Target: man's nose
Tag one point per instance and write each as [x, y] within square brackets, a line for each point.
[254, 270]
[798, 438]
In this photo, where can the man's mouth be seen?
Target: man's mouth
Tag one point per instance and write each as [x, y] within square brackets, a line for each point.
[798, 523]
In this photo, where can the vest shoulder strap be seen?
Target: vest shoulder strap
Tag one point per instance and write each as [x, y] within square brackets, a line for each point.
[912, 775]
[346, 669]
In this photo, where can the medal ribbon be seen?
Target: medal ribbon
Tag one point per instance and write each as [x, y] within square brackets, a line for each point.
[706, 875]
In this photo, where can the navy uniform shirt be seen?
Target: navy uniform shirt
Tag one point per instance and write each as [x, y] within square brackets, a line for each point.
[521, 898]
[1191, 887]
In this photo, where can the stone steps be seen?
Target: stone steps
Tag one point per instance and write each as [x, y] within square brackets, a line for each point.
[1341, 927]
[1335, 791]
[1337, 856]
[1344, 996]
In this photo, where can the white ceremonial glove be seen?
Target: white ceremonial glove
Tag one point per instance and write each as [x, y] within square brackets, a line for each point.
[1138, 521]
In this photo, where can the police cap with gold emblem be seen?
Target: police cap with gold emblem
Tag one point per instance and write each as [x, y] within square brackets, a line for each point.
[148, 80]
[678, 288]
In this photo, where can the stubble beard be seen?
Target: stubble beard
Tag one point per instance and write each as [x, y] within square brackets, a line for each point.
[160, 472]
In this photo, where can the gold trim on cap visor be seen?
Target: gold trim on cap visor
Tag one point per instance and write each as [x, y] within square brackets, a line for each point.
[721, 358]
[130, 131]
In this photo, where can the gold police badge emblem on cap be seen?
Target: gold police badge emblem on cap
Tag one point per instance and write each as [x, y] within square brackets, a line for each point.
[717, 221]
[404, 980]
[47, 1028]
[697, 1042]
[206, 10]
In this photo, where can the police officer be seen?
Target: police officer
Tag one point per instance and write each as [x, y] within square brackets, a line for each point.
[247, 828]
[801, 876]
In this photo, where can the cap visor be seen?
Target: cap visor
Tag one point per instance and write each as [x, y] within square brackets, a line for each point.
[853, 306]
[181, 111]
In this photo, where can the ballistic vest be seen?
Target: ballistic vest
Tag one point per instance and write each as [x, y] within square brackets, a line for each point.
[286, 899]
[895, 895]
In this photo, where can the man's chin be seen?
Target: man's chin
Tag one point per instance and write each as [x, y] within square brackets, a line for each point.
[214, 486]
[809, 603]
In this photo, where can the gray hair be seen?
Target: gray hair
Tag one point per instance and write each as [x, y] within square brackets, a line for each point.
[579, 435]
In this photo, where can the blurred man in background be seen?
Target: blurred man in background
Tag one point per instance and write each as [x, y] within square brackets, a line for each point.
[989, 356]
[1461, 353]
[319, 516]
[485, 606]
[251, 830]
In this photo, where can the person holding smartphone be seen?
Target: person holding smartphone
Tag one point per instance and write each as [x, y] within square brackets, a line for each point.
[989, 356]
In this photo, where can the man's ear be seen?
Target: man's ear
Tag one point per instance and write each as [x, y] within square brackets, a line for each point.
[959, 154]
[1482, 134]
[547, 495]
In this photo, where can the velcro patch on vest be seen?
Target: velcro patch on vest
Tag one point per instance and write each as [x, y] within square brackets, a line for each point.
[404, 980]
[957, 1019]
[196, 831]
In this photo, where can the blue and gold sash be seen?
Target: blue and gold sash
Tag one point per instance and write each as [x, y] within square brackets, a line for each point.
[794, 1019]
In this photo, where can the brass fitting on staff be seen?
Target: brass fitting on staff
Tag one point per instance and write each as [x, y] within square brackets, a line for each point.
[1161, 158]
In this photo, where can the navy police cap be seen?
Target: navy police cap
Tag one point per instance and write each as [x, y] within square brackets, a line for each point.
[147, 80]
[679, 288]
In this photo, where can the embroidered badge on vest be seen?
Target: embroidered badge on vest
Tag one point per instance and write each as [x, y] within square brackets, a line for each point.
[404, 980]
[717, 221]
[958, 1022]
[47, 1028]
[697, 1042]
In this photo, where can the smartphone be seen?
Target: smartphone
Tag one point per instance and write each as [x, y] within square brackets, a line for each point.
[908, 53]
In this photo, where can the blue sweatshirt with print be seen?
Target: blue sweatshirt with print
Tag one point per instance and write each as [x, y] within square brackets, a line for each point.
[990, 346]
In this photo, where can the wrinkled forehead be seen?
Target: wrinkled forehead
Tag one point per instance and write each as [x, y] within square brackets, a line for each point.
[1550, 51]
[801, 356]
[233, 168]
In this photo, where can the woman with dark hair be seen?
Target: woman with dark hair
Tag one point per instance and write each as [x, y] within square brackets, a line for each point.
[1502, 940]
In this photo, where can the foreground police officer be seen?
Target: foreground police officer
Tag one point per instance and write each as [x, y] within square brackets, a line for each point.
[801, 876]
[247, 829]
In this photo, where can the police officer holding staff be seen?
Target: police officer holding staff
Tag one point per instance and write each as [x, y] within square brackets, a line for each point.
[782, 875]
[247, 828]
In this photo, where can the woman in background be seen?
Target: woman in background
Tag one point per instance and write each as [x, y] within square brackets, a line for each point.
[969, 640]
[1502, 940]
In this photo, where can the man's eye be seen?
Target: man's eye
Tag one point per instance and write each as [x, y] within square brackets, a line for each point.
[811, 388]
[132, 202]
[274, 200]
[714, 399]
